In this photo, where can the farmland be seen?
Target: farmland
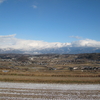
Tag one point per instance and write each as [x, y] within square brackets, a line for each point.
[39, 91]
[50, 68]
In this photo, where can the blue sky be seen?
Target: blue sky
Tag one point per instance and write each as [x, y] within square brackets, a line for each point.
[51, 20]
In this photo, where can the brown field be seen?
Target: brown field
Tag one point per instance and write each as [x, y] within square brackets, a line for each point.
[51, 76]
[50, 68]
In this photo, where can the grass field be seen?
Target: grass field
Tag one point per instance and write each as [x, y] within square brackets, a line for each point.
[51, 76]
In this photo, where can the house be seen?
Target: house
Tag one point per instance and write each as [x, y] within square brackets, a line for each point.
[75, 68]
[51, 68]
[5, 71]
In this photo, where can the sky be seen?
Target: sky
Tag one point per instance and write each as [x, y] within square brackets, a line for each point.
[63, 21]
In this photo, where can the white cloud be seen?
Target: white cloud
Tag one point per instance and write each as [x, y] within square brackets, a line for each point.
[1, 1]
[76, 37]
[10, 41]
[8, 36]
[86, 43]
[34, 6]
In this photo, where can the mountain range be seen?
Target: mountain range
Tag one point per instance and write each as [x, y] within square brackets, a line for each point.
[11, 44]
[62, 50]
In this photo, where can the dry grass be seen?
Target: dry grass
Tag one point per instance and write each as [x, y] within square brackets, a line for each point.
[56, 76]
[56, 73]
[48, 79]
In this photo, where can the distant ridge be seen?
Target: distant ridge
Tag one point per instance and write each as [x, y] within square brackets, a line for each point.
[62, 50]
[11, 44]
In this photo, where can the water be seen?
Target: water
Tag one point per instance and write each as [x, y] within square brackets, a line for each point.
[36, 91]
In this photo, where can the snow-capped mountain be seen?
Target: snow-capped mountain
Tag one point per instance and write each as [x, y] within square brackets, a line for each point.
[63, 50]
[10, 44]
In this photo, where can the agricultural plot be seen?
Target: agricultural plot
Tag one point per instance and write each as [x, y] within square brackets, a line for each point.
[65, 77]
[37, 91]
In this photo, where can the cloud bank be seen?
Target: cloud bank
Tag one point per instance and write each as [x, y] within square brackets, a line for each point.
[10, 41]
